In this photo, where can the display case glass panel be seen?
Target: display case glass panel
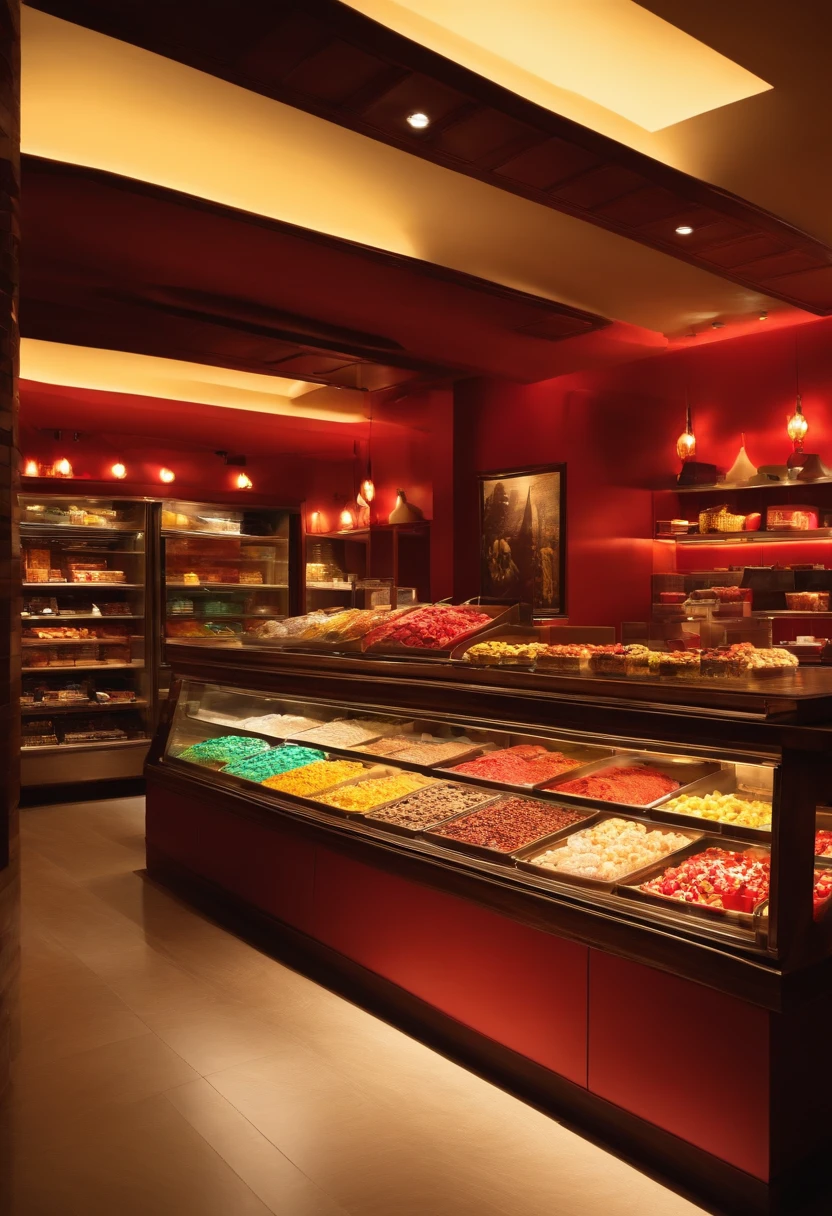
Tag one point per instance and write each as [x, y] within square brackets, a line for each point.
[671, 837]
[85, 678]
[225, 569]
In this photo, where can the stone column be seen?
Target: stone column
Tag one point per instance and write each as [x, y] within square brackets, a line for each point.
[9, 537]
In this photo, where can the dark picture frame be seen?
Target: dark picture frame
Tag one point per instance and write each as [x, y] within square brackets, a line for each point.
[523, 537]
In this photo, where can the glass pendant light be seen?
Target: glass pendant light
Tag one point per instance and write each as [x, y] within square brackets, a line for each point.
[686, 443]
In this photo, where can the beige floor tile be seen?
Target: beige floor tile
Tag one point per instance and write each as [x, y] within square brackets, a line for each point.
[49, 1091]
[270, 1174]
[309, 1106]
[131, 1160]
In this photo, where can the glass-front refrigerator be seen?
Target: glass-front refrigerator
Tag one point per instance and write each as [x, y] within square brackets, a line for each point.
[87, 685]
[225, 570]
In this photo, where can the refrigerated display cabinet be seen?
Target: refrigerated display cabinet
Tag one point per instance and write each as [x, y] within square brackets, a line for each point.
[87, 686]
[225, 570]
[604, 892]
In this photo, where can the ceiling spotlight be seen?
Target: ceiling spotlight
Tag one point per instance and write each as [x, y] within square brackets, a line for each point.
[119, 471]
[763, 316]
[167, 476]
[63, 468]
[717, 324]
[243, 481]
[418, 121]
[684, 230]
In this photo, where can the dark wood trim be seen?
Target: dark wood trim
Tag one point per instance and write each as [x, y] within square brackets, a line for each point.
[341, 28]
[686, 1169]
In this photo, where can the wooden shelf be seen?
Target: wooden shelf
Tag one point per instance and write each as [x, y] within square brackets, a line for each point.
[66, 617]
[80, 707]
[733, 486]
[77, 747]
[33, 643]
[137, 666]
[84, 586]
[228, 586]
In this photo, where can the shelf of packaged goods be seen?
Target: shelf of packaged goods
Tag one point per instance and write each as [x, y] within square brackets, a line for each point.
[228, 586]
[79, 707]
[77, 747]
[79, 616]
[732, 486]
[748, 538]
[136, 666]
[83, 586]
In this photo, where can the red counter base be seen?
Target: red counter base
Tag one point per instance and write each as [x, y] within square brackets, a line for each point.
[672, 1073]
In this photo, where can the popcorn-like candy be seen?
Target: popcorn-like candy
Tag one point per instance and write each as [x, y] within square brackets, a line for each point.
[609, 850]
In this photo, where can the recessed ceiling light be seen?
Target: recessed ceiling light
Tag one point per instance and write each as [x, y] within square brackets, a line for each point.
[763, 316]
[418, 121]
[684, 230]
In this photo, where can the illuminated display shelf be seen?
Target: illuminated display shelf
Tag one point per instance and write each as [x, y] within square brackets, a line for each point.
[748, 538]
[85, 586]
[134, 666]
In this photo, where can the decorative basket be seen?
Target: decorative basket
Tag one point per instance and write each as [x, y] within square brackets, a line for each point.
[720, 519]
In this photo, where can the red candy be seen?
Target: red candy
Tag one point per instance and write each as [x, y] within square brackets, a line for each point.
[526, 764]
[823, 844]
[635, 786]
[434, 627]
[734, 882]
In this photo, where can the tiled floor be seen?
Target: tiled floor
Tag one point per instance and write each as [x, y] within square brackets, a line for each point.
[168, 1068]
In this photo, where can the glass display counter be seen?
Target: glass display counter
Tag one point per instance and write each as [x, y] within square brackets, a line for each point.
[599, 859]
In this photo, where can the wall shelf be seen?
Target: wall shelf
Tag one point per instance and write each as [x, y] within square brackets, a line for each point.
[748, 538]
[733, 486]
[79, 707]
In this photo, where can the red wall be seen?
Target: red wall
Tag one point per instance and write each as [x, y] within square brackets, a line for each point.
[617, 431]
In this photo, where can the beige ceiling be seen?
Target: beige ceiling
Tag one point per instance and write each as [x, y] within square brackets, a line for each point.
[173, 380]
[612, 53]
[91, 100]
[770, 147]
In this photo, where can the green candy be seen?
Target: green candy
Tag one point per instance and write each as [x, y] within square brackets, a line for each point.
[271, 763]
[224, 750]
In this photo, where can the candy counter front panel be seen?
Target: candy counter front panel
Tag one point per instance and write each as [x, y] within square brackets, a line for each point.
[341, 848]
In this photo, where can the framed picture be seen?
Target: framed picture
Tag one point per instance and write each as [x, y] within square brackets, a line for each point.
[523, 537]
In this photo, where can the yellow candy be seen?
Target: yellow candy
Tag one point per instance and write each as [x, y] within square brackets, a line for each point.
[365, 795]
[723, 808]
[313, 777]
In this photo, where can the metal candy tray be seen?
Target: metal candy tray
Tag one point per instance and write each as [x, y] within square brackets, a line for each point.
[400, 830]
[302, 737]
[499, 616]
[523, 858]
[589, 755]
[723, 782]
[373, 773]
[310, 802]
[685, 771]
[497, 855]
[631, 888]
